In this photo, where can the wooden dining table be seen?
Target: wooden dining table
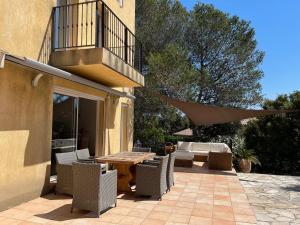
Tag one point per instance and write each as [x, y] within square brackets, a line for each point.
[125, 163]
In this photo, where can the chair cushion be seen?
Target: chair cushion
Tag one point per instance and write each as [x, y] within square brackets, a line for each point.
[83, 154]
[66, 157]
[184, 146]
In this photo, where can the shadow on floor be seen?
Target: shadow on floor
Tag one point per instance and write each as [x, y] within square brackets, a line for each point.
[254, 181]
[63, 213]
[52, 196]
[136, 198]
[203, 169]
[295, 188]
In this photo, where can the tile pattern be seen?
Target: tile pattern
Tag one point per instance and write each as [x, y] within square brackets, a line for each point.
[275, 199]
[199, 197]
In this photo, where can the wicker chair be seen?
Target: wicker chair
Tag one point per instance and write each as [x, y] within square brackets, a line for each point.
[140, 149]
[170, 171]
[97, 191]
[170, 168]
[64, 172]
[84, 155]
[151, 178]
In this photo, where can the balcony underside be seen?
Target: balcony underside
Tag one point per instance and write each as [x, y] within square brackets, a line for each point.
[99, 65]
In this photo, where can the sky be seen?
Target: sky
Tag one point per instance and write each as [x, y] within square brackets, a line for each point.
[277, 26]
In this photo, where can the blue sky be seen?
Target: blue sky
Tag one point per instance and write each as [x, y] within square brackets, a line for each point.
[277, 25]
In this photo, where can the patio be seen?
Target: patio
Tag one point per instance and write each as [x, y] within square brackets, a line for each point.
[200, 196]
[275, 199]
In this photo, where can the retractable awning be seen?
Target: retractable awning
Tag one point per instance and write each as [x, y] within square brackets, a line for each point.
[47, 69]
[202, 114]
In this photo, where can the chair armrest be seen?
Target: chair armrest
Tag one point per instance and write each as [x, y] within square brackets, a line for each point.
[156, 158]
[110, 177]
[86, 160]
[151, 162]
[147, 166]
[108, 187]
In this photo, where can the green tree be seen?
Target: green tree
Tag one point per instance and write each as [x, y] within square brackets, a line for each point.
[203, 56]
[276, 139]
[160, 22]
[224, 53]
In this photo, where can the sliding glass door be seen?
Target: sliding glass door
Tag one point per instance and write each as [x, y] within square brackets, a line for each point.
[64, 132]
[74, 125]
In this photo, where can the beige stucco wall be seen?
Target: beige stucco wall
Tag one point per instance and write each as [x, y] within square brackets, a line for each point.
[125, 13]
[26, 112]
[25, 135]
[23, 25]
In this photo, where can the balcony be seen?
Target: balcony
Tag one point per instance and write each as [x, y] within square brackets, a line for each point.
[89, 40]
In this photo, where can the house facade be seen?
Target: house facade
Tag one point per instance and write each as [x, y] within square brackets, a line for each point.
[68, 69]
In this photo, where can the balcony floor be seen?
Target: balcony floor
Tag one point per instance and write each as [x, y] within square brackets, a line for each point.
[200, 196]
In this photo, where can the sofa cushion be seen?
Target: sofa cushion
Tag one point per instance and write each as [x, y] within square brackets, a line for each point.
[204, 148]
[219, 147]
[184, 155]
[202, 153]
[185, 146]
[200, 147]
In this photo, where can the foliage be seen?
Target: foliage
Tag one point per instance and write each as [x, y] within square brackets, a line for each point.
[216, 133]
[223, 52]
[243, 153]
[276, 139]
[203, 56]
[160, 22]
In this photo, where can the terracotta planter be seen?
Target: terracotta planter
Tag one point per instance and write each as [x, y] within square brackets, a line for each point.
[245, 165]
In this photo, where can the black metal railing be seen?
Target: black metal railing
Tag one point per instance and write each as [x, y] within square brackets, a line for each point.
[94, 24]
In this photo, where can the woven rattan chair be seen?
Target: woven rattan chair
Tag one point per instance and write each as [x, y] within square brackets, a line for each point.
[151, 178]
[140, 149]
[170, 171]
[93, 189]
[64, 172]
[170, 168]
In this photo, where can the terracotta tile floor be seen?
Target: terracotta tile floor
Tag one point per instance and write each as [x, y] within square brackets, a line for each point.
[199, 197]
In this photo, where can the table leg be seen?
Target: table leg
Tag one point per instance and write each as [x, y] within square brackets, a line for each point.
[125, 176]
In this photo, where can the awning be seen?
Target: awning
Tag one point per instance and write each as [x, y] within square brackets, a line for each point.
[202, 114]
[44, 68]
[186, 133]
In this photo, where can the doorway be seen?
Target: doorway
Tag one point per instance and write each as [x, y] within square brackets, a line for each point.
[87, 124]
[74, 125]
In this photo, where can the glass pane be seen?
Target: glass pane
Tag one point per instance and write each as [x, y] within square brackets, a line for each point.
[64, 126]
[87, 120]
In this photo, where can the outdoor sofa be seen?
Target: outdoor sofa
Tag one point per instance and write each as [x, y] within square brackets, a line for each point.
[218, 155]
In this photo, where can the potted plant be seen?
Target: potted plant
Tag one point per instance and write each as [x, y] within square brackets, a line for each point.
[246, 158]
